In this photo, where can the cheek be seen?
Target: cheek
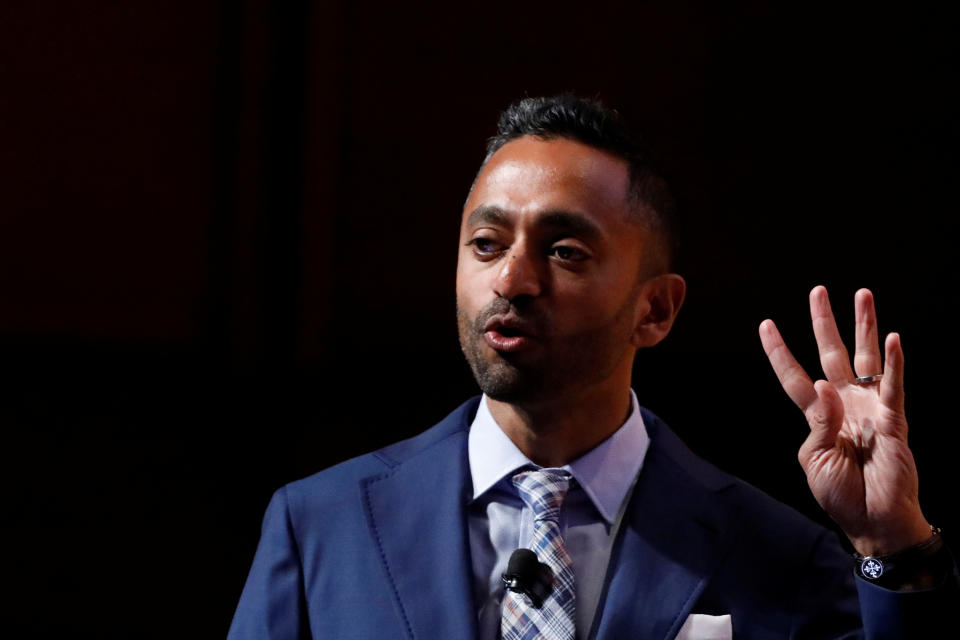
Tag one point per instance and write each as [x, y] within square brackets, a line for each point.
[592, 304]
[472, 278]
[467, 287]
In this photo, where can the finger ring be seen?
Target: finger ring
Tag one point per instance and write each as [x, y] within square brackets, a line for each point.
[868, 379]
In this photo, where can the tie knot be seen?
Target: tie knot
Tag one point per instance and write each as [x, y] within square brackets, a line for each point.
[543, 491]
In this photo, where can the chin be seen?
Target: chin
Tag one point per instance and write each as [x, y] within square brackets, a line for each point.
[498, 376]
[505, 383]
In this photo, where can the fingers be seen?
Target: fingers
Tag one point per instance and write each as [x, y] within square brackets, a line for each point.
[825, 417]
[866, 358]
[833, 355]
[891, 387]
[794, 379]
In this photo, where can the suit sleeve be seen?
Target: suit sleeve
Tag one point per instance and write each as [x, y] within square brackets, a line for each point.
[825, 606]
[272, 605]
[829, 606]
[893, 615]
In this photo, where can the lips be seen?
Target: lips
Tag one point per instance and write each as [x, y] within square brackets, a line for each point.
[508, 334]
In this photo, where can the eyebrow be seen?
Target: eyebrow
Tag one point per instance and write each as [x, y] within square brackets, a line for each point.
[558, 220]
[488, 214]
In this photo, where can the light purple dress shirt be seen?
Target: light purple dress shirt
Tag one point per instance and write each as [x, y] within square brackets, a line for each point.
[499, 522]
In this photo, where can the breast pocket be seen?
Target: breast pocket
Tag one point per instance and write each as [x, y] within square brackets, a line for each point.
[700, 626]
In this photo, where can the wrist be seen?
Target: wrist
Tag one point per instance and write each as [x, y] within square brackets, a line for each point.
[892, 540]
[914, 567]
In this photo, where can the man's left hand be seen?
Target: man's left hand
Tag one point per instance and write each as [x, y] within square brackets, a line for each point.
[856, 458]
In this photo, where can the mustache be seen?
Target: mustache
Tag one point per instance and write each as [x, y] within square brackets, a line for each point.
[503, 307]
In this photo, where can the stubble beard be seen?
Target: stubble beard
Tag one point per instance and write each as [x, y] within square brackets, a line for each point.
[576, 361]
[500, 379]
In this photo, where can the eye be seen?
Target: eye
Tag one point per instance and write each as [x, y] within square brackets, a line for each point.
[485, 247]
[568, 253]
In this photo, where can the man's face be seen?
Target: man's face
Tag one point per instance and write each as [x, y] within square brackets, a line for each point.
[548, 270]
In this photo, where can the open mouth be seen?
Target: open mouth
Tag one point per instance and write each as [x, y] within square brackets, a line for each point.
[506, 337]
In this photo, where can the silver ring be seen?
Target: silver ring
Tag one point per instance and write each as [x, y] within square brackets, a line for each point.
[868, 379]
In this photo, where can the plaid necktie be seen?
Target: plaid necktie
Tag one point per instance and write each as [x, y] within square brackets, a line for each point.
[543, 492]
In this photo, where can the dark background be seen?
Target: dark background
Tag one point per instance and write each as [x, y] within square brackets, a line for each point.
[227, 251]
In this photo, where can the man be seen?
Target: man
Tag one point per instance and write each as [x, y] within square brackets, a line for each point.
[563, 274]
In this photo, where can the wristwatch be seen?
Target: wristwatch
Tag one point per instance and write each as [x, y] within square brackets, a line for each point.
[910, 559]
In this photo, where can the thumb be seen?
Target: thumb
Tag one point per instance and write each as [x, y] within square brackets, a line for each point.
[825, 417]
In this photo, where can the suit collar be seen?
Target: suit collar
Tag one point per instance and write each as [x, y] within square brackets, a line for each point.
[673, 536]
[423, 542]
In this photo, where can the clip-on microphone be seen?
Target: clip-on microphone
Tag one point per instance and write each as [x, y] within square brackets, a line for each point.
[527, 575]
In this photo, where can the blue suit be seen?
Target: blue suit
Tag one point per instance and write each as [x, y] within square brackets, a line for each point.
[377, 547]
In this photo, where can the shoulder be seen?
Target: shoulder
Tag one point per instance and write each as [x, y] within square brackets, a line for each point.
[335, 484]
[748, 510]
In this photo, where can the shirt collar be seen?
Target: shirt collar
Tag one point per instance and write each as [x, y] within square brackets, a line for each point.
[606, 472]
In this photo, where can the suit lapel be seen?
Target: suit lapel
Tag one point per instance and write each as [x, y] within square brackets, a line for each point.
[672, 537]
[417, 516]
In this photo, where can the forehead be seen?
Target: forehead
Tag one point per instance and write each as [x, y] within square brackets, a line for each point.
[530, 175]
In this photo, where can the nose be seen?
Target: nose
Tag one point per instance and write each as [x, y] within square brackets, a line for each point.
[519, 275]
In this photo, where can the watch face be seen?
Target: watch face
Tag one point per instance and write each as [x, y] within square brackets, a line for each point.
[871, 568]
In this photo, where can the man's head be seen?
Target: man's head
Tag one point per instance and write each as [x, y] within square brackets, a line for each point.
[562, 267]
[648, 195]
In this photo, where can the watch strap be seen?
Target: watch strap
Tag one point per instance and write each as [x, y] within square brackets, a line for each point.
[876, 567]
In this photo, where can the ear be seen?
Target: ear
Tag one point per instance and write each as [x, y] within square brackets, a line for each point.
[658, 302]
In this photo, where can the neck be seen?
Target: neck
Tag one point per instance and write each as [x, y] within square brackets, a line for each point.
[555, 431]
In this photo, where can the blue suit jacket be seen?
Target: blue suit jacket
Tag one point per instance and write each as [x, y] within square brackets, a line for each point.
[376, 547]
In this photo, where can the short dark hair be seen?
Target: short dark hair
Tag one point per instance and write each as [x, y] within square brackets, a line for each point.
[595, 125]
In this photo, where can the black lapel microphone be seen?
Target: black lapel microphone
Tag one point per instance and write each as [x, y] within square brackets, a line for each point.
[527, 575]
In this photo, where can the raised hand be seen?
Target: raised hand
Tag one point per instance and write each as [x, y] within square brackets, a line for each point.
[856, 457]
